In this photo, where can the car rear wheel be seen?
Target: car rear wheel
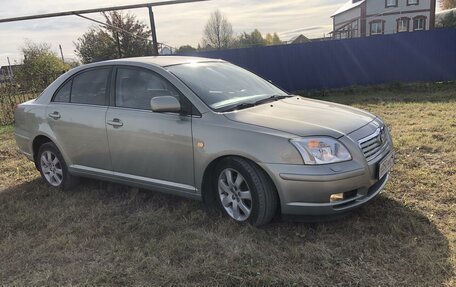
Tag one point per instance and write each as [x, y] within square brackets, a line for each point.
[53, 168]
[244, 192]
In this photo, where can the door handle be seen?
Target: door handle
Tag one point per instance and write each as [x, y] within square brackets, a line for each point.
[55, 115]
[115, 123]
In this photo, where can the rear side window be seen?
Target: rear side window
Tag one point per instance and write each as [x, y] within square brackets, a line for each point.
[135, 88]
[63, 95]
[90, 87]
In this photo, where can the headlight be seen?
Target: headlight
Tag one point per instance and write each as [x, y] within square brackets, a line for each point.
[321, 150]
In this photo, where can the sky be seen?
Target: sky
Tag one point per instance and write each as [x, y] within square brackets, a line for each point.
[176, 24]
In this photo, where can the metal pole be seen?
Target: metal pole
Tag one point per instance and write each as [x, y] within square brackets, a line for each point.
[154, 33]
[118, 45]
[61, 53]
[10, 69]
[87, 11]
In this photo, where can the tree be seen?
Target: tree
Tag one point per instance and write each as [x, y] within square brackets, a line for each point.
[40, 66]
[272, 39]
[276, 40]
[218, 32]
[95, 45]
[185, 49]
[269, 39]
[447, 21]
[253, 39]
[257, 38]
[447, 4]
[123, 36]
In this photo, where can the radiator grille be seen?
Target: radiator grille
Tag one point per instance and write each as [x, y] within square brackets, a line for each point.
[375, 144]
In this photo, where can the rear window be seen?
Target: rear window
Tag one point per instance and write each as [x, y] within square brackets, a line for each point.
[63, 95]
[90, 87]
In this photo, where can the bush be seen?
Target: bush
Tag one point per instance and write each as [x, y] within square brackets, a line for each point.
[40, 67]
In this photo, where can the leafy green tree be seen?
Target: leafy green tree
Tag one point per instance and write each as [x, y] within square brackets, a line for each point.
[276, 39]
[268, 38]
[123, 36]
[253, 39]
[218, 32]
[95, 44]
[257, 38]
[447, 21]
[40, 66]
[272, 39]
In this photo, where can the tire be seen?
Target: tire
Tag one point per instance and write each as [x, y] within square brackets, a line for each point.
[249, 196]
[53, 168]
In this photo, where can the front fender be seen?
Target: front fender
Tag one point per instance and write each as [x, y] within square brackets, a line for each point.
[214, 136]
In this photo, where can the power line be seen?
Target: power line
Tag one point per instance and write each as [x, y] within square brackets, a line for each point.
[97, 10]
[114, 27]
[118, 29]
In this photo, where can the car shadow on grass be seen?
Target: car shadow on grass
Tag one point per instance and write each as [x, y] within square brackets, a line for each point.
[108, 234]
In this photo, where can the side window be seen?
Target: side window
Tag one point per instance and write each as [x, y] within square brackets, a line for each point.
[63, 95]
[135, 88]
[90, 87]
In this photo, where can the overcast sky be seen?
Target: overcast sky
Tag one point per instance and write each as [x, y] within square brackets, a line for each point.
[176, 25]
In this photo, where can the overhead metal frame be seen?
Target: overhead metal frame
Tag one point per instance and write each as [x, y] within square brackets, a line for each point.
[107, 9]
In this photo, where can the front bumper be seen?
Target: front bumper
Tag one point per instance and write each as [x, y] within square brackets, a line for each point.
[360, 198]
[306, 190]
[307, 194]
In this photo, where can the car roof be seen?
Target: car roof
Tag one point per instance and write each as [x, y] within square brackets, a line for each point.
[164, 61]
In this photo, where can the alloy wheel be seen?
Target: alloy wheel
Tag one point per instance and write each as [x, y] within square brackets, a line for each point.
[235, 194]
[51, 168]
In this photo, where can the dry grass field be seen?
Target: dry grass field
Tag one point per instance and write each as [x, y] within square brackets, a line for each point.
[105, 234]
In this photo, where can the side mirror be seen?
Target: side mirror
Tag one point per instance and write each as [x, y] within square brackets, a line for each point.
[165, 104]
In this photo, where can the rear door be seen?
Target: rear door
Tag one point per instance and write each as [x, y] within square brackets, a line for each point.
[77, 116]
[147, 147]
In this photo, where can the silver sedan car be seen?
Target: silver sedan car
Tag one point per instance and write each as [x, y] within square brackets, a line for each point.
[208, 130]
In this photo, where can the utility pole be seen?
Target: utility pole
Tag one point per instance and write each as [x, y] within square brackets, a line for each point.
[119, 50]
[10, 70]
[61, 53]
[153, 31]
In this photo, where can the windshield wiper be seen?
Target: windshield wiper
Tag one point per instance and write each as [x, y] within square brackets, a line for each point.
[272, 98]
[239, 107]
[259, 102]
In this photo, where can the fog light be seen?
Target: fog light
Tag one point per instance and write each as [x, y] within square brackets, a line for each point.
[336, 197]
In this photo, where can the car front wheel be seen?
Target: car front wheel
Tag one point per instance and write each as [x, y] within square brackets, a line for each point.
[244, 192]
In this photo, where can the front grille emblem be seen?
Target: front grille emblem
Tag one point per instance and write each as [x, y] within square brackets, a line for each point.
[381, 136]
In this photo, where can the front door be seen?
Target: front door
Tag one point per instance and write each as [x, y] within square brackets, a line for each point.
[147, 147]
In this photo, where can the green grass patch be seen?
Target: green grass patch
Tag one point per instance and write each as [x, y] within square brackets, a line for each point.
[6, 129]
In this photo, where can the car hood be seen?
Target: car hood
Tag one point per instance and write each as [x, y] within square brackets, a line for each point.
[304, 117]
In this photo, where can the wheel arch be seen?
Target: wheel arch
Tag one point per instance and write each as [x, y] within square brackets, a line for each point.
[37, 142]
[208, 197]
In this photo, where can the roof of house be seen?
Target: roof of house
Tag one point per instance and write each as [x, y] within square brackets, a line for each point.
[348, 6]
[299, 37]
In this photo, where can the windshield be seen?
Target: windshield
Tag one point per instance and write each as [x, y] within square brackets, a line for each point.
[222, 85]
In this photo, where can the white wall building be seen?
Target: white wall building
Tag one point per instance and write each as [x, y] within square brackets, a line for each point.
[360, 18]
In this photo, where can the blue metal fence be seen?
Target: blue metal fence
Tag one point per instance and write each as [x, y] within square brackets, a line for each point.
[405, 57]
